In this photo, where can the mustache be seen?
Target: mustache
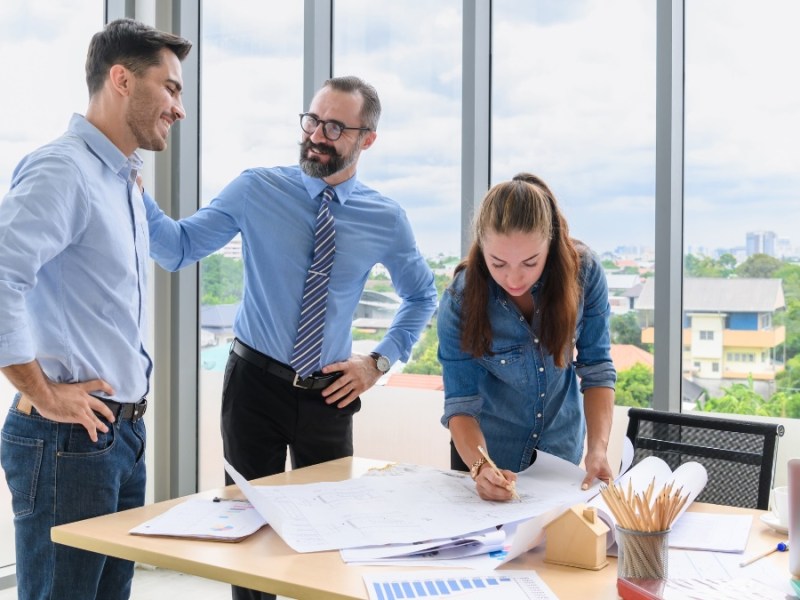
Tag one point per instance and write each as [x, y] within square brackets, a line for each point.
[321, 148]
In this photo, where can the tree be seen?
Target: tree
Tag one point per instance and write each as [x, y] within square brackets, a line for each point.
[635, 386]
[221, 280]
[424, 358]
[738, 398]
[760, 266]
[790, 318]
[705, 266]
[625, 329]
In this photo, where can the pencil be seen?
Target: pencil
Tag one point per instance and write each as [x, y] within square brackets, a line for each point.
[780, 547]
[511, 484]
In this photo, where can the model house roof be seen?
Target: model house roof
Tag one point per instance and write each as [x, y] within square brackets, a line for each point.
[710, 294]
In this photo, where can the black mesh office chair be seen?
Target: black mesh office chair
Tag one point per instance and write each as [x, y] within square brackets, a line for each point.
[739, 456]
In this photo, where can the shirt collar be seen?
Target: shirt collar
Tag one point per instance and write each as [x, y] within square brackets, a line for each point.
[103, 148]
[314, 187]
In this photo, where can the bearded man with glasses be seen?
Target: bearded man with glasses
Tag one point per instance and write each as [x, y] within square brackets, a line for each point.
[311, 234]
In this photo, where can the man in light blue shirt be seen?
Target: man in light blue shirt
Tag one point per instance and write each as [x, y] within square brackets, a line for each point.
[267, 406]
[73, 258]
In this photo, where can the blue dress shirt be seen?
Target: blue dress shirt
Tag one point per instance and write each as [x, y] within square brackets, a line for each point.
[73, 252]
[520, 398]
[275, 210]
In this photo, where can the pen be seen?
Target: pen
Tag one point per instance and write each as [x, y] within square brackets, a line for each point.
[512, 487]
[780, 547]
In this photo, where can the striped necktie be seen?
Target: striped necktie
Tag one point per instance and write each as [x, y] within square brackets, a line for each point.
[308, 347]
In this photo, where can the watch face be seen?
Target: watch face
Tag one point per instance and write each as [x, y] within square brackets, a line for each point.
[383, 363]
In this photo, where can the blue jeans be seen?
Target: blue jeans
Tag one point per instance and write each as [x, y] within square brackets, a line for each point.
[57, 475]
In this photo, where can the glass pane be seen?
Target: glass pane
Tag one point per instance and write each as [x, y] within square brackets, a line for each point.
[411, 52]
[573, 101]
[741, 276]
[251, 94]
[42, 54]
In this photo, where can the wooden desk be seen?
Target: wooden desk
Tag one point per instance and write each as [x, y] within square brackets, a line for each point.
[263, 561]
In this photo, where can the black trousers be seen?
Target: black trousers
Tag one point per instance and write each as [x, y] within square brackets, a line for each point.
[264, 415]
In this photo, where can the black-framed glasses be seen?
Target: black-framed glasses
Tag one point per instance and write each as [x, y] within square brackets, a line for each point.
[332, 130]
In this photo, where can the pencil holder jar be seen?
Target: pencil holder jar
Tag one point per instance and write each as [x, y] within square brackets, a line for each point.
[642, 554]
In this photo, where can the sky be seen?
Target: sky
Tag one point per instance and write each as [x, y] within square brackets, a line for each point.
[573, 100]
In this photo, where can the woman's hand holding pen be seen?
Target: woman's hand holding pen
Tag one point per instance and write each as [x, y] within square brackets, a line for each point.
[494, 484]
[498, 480]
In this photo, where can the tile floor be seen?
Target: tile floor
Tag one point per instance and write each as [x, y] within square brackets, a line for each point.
[161, 584]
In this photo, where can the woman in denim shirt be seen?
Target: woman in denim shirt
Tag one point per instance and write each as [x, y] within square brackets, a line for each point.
[527, 299]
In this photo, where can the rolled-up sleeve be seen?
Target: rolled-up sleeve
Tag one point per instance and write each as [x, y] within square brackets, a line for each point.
[460, 370]
[41, 214]
[593, 363]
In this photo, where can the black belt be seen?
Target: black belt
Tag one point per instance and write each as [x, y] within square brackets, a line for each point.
[278, 369]
[126, 410]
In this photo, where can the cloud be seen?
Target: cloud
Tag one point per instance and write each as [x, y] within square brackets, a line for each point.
[573, 100]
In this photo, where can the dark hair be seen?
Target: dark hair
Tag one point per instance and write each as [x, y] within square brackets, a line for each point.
[371, 108]
[129, 43]
[525, 204]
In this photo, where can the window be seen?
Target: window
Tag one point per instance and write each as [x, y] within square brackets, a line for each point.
[742, 123]
[416, 158]
[42, 55]
[573, 101]
[251, 94]
[706, 335]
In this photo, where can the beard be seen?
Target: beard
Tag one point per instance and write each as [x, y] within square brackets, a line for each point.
[313, 167]
[143, 123]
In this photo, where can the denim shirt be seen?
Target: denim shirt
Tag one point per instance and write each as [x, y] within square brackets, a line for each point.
[521, 400]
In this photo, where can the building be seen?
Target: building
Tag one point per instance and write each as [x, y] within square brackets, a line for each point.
[761, 242]
[729, 330]
[620, 297]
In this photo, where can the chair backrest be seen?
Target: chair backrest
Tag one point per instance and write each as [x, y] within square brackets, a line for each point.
[739, 456]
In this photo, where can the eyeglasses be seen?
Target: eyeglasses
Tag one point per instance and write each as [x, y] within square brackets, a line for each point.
[332, 130]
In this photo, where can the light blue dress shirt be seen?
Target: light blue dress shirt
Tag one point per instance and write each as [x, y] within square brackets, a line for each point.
[520, 398]
[73, 264]
[275, 210]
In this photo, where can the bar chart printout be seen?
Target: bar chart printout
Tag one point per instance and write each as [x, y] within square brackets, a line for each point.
[463, 585]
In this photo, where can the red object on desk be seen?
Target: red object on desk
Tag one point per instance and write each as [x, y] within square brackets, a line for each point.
[640, 589]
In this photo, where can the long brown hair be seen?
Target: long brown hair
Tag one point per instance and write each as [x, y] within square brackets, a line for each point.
[525, 204]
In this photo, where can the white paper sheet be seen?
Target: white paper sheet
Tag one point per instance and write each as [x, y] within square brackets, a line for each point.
[203, 518]
[371, 511]
[707, 531]
[690, 477]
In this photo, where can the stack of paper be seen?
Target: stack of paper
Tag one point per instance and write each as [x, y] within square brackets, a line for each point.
[207, 519]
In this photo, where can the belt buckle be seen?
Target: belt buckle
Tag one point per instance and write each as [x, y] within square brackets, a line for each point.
[303, 384]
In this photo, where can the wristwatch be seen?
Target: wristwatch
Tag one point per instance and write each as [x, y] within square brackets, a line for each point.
[381, 362]
[476, 467]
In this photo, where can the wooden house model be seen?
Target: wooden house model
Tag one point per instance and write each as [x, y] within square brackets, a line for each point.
[577, 538]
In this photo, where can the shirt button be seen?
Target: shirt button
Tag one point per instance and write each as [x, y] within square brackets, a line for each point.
[541, 395]
[502, 361]
[539, 415]
[522, 318]
[541, 369]
[536, 435]
[535, 340]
